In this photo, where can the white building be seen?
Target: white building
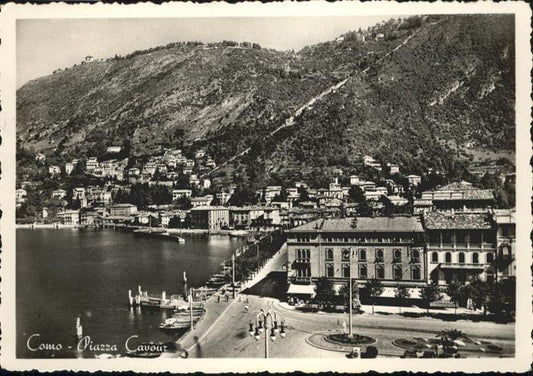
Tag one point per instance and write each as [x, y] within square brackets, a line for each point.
[114, 149]
[92, 164]
[54, 170]
[414, 180]
[69, 167]
[179, 193]
[20, 195]
[59, 193]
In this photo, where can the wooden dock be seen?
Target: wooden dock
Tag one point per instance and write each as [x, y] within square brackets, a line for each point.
[160, 301]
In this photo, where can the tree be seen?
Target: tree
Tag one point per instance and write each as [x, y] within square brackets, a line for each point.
[304, 194]
[479, 292]
[356, 194]
[174, 222]
[374, 288]
[184, 203]
[502, 297]
[457, 293]
[401, 294]
[429, 294]
[324, 291]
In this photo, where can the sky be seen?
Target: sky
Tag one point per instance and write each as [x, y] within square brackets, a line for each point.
[44, 45]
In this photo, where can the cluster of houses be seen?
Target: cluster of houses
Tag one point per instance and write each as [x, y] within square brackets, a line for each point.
[454, 236]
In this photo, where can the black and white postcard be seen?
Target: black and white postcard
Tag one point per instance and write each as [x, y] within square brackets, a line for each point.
[249, 187]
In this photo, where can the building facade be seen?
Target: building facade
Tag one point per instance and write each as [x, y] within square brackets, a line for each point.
[505, 243]
[212, 218]
[390, 249]
[460, 246]
[122, 210]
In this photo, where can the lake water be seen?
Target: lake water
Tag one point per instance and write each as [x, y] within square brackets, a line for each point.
[69, 272]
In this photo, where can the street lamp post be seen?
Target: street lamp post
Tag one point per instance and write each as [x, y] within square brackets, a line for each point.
[262, 324]
[350, 333]
[190, 308]
[233, 274]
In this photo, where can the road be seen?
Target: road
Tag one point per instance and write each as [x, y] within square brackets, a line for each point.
[230, 338]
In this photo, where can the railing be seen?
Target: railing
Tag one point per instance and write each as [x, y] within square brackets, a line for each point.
[460, 265]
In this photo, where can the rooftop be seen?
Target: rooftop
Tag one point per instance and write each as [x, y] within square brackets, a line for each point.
[363, 224]
[505, 215]
[449, 221]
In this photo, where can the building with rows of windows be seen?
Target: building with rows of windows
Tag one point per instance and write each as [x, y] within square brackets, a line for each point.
[387, 248]
[437, 246]
[460, 246]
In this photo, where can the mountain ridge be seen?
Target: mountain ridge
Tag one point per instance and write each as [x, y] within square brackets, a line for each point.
[226, 98]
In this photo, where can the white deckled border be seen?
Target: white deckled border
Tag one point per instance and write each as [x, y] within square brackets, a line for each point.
[10, 13]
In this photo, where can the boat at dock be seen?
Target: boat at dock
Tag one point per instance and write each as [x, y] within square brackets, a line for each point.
[239, 233]
[180, 321]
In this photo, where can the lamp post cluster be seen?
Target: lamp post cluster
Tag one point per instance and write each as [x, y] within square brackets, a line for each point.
[264, 321]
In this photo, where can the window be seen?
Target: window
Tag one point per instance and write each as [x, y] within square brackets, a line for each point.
[362, 254]
[304, 272]
[379, 255]
[505, 252]
[415, 272]
[461, 258]
[460, 237]
[446, 237]
[397, 270]
[303, 254]
[363, 271]
[490, 257]
[329, 254]
[490, 277]
[397, 255]
[345, 254]
[346, 270]
[448, 257]
[330, 271]
[434, 257]
[475, 258]
[434, 237]
[475, 237]
[380, 271]
[415, 255]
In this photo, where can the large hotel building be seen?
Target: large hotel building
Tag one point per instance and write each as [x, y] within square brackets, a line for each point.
[387, 248]
[436, 246]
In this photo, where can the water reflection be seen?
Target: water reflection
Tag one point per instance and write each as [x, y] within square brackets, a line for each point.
[62, 273]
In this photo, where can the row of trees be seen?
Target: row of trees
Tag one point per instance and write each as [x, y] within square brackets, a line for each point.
[496, 297]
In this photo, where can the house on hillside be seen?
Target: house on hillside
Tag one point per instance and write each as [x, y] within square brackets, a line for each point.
[69, 167]
[179, 193]
[20, 196]
[414, 180]
[54, 170]
[59, 193]
[201, 201]
[114, 149]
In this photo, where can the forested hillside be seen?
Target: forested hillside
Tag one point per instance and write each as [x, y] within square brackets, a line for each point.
[427, 93]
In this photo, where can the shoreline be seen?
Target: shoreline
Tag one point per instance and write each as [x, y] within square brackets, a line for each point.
[45, 226]
[172, 231]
